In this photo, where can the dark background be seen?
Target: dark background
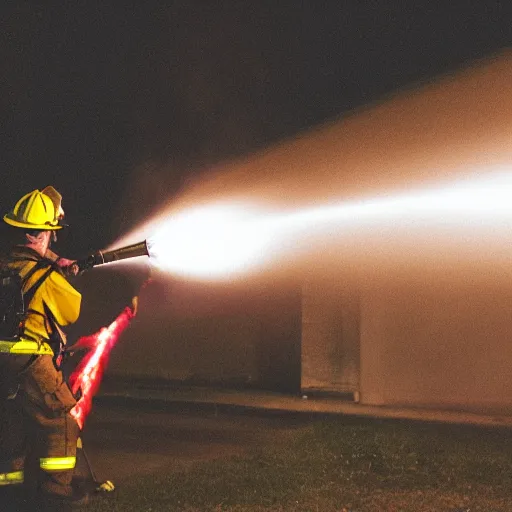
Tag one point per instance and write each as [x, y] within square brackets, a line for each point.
[92, 96]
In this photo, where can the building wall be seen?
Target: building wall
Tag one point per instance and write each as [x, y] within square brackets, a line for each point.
[430, 338]
[438, 342]
[199, 333]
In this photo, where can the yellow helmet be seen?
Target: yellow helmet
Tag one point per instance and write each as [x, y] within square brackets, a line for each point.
[37, 210]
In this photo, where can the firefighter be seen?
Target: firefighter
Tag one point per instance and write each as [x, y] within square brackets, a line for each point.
[38, 427]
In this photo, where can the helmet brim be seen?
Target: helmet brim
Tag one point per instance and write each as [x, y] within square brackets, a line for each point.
[26, 225]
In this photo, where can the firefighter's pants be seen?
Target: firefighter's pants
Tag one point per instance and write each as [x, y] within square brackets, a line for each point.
[38, 436]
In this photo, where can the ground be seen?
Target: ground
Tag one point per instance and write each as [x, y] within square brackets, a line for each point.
[123, 442]
[183, 457]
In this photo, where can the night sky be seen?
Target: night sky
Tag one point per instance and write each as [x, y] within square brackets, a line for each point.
[94, 96]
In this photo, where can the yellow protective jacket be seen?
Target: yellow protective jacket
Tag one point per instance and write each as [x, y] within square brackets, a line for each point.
[55, 304]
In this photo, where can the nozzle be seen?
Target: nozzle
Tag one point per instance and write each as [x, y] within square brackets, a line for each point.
[123, 253]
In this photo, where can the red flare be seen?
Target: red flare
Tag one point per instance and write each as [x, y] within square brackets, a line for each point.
[87, 375]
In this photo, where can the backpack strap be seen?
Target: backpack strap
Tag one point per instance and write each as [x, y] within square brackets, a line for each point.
[29, 294]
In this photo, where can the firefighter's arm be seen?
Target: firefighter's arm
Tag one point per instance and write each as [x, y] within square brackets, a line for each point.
[50, 255]
[69, 267]
[62, 299]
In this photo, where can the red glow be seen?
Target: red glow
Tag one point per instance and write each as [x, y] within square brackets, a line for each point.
[87, 375]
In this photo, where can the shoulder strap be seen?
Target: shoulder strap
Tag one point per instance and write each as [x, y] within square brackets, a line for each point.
[29, 294]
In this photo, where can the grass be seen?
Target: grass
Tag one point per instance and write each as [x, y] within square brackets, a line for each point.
[342, 465]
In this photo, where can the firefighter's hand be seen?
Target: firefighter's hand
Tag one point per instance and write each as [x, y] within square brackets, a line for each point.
[69, 267]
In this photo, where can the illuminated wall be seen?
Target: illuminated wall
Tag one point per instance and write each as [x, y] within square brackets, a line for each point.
[438, 342]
